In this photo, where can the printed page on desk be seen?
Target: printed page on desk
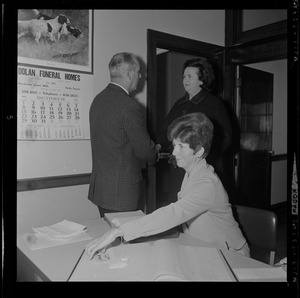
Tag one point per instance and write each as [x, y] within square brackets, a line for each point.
[38, 241]
[61, 233]
[160, 260]
[261, 274]
[190, 263]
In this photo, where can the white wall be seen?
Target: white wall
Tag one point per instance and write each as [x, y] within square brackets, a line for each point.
[114, 31]
[253, 18]
[119, 30]
[48, 206]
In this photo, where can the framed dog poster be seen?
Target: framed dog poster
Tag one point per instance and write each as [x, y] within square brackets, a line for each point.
[56, 38]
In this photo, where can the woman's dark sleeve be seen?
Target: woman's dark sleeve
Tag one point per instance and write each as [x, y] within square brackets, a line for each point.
[226, 134]
[162, 137]
[222, 124]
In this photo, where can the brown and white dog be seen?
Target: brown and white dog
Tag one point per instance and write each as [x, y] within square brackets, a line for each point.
[41, 16]
[40, 27]
[67, 30]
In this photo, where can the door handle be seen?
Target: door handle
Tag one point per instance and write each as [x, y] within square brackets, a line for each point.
[271, 152]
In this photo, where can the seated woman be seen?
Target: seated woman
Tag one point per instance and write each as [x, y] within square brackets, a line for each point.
[202, 207]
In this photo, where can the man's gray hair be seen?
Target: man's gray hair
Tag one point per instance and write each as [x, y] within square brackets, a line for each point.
[119, 60]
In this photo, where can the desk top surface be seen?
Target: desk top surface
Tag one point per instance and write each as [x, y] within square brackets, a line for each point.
[46, 261]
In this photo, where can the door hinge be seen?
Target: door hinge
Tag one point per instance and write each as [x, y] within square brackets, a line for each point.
[238, 82]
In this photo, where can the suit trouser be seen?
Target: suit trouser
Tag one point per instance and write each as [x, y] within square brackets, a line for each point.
[102, 211]
[132, 192]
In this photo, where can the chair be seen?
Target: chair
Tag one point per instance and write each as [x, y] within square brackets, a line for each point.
[259, 227]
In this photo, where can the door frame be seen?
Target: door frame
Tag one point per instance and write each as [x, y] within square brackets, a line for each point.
[244, 48]
[261, 198]
[157, 39]
[267, 48]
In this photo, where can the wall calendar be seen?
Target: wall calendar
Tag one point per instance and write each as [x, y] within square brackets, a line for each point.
[49, 104]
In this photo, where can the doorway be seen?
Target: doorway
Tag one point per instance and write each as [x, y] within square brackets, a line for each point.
[169, 90]
[254, 108]
[173, 47]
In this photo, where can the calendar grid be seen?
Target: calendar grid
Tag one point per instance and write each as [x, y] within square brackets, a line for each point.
[48, 108]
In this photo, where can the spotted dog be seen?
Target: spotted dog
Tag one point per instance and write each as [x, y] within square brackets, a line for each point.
[41, 16]
[23, 28]
[67, 30]
[38, 27]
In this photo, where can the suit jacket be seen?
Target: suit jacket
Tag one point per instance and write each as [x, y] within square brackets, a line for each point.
[202, 206]
[120, 146]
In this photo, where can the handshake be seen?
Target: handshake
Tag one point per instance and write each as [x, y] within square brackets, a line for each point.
[162, 155]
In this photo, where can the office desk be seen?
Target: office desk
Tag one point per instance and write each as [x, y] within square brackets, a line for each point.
[57, 263]
[54, 263]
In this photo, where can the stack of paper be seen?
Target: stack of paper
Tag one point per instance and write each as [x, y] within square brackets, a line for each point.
[63, 232]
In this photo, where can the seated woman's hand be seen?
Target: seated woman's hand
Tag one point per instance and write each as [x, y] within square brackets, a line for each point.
[102, 242]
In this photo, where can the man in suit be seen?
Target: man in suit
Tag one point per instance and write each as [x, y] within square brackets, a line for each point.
[119, 140]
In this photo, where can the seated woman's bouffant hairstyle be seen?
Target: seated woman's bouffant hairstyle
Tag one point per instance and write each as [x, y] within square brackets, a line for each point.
[194, 129]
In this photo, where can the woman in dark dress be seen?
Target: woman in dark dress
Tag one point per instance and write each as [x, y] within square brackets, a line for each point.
[198, 77]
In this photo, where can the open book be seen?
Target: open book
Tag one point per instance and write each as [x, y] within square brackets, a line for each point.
[154, 261]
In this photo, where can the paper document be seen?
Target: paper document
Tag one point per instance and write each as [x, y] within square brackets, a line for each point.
[160, 260]
[189, 263]
[261, 274]
[38, 241]
[63, 230]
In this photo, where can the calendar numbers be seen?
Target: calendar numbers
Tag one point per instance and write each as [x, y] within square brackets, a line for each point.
[23, 114]
[33, 113]
[41, 119]
[49, 108]
[43, 113]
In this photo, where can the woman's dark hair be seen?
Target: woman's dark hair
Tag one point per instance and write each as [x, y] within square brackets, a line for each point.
[205, 71]
[194, 129]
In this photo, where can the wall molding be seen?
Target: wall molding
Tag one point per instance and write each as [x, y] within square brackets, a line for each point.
[52, 182]
[79, 179]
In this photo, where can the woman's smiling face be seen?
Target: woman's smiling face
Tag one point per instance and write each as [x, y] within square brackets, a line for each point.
[191, 82]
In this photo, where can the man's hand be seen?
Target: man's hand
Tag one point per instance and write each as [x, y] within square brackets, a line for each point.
[162, 155]
[172, 161]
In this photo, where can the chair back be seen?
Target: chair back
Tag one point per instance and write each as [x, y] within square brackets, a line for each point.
[259, 227]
